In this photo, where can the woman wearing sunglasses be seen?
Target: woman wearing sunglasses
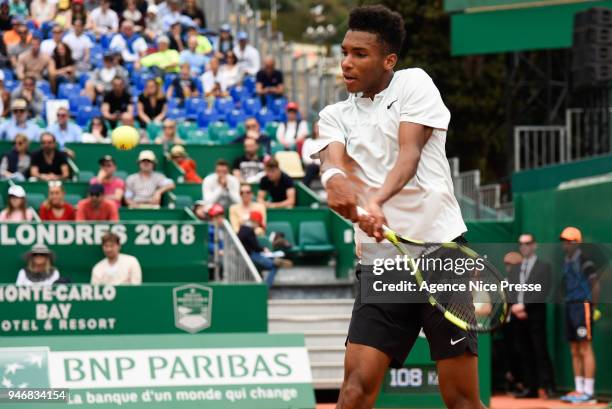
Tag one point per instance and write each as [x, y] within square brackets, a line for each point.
[15, 164]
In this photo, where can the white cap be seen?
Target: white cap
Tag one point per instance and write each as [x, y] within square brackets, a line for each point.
[147, 155]
[152, 9]
[16, 191]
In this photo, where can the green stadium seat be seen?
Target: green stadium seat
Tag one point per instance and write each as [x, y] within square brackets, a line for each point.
[241, 129]
[182, 201]
[1, 202]
[285, 228]
[72, 198]
[35, 200]
[85, 176]
[228, 136]
[197, 136]
[217, 129]
[121, 174]
[185, 127]
[153, 130]
[271, 128]
[264, 241]
[314, 238]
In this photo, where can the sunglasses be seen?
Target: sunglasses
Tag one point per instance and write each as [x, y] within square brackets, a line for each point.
[245, 192]
[19, 110]
[525, 243]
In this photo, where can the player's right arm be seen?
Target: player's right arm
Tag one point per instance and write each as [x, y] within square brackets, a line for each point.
[341, 195]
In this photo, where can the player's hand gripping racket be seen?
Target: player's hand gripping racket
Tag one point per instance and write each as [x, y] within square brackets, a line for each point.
[482, 307]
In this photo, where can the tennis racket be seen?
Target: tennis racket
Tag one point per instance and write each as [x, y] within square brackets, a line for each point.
[482, 307]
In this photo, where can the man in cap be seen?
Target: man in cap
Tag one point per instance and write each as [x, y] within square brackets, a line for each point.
[154, 27]
[39, 269]
[113, 185]
[248, 57]
[225, 42]
[269, 80]
[165, 59]
[129, 44]
[146, 188]
[96, 207]
[581, 295]
[19, 123]
[178, 154]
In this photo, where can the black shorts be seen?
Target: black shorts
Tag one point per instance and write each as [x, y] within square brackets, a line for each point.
[579, 321]
[393, 328]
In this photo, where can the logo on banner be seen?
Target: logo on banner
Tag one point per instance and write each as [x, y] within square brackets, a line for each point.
[24, 367]
[192, 307]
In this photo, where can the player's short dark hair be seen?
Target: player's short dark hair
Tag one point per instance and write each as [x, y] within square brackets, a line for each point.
[377, 19]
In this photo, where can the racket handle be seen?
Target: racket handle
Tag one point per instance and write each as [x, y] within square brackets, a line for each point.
[363, 212]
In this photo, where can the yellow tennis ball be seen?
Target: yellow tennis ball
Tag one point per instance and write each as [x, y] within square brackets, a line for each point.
[596, 315]
[125, 137]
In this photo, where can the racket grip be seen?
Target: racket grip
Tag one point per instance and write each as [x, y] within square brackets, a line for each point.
[363, 212]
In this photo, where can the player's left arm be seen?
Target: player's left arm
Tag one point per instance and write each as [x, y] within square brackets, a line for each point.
[412, 138]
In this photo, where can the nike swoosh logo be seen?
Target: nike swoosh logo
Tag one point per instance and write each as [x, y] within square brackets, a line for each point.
[389, 106]
[453, 342]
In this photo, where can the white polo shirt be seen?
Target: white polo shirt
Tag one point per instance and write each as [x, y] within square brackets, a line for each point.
[426, 208]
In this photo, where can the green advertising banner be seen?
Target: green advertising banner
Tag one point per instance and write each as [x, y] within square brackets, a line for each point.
[145, 309]
[255, 371]
[78, 247]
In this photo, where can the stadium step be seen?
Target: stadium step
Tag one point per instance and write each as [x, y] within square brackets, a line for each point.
[324, 323]
[333, 289]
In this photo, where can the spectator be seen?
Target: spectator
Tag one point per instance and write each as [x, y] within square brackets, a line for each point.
[39, 269]
[75, 11]
[154, 27]
[249, 168]
[213, 82]
[114, 186]
[117, 101]
[530, 328]
[62, 67]
[248, 56]
[130, 45]
[231, 72]
[64, 130]
[258, 254]
[183, 86]
[221, 187]
[103, 20]
[32, 63]
[216, 215]
[253, 131]
[32, 96]
[145, 188]
[200, 209]
[278, 185]
[226, 41]
[55, 208]
[19, 8]
[5, 18]
[97, 132]
[42, 11]
[175, 35]
[102, 79]
[312, 167]
[164, 60]
[269, 81]
[15, 164]
[80, 45]
[132, 14]
[49, 163]
[294, 130]
[204, 46]
[581, 296]
[196, 14]
[152, 104]
[96, 207]
[180, 158]
[19, 35]
[48, 46]
[17, 209]
[116, 268]
[5, 98]
[240, 213]
[169, 136]
[195, 60]
[172, 15]
[18, 123]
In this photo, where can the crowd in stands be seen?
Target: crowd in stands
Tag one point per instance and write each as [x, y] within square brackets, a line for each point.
[73, 70]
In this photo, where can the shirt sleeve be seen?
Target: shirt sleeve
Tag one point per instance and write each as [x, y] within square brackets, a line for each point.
[330, 130]
[421, 101]
[135, 272]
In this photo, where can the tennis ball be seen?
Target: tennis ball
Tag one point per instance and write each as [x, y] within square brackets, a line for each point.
[596, 315]
[125, 137]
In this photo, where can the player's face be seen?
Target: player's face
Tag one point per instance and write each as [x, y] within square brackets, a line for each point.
[364, 63]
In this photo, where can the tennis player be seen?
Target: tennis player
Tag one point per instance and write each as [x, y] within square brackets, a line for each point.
[383, 148]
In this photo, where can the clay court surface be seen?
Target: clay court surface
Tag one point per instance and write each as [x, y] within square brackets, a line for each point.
[506, 402]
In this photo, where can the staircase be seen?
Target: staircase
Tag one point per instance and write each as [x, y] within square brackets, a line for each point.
[324, 323]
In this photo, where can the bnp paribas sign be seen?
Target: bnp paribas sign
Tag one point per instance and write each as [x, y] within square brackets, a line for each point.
[245, 371]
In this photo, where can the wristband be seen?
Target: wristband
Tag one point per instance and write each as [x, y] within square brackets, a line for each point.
[329, 173]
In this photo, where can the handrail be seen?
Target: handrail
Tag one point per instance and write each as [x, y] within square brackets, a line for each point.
[237, 265]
